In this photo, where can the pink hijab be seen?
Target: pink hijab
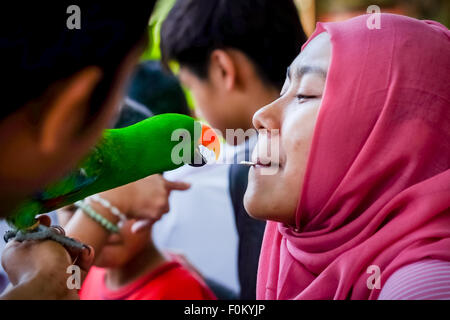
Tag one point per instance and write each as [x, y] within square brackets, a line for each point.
[377, 186]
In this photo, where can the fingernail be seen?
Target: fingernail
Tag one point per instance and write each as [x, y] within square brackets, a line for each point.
[89, 249]
[59, 229]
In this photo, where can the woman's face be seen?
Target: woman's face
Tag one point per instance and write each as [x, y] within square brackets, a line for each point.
[274, 194]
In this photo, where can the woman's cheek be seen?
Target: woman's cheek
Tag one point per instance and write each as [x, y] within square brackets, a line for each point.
[297, 137]
[299, 132]
[292, 183]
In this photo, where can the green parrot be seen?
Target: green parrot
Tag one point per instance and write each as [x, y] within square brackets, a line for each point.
[157, 144]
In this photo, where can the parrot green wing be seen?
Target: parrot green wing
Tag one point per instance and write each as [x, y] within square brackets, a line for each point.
[57, 194]
[83, 176]
[121, 157]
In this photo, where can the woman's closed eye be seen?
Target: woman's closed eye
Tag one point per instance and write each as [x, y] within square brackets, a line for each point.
[303, 98]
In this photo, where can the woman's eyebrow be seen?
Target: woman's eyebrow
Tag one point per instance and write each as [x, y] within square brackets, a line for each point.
[300, 72]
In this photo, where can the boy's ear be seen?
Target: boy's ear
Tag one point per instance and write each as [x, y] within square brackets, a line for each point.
[67, 110]
[222, 68]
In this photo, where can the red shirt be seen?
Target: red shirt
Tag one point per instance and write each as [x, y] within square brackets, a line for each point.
[170, 281]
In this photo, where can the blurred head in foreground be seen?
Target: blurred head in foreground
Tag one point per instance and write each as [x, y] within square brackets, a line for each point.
[63, 85]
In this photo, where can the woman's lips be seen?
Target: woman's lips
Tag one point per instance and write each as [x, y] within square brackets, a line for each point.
[260, 164]
[265, 164]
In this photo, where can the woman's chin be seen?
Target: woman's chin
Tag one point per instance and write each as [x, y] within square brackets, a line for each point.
[254, 203]
[262, 203]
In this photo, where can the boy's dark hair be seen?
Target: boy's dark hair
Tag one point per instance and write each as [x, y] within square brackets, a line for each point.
[268, 32]
[158, 90]
[38, 49]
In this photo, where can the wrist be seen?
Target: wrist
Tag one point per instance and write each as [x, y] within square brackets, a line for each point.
[106, 221]
[104, 212]
[116, 198]
[105, 203]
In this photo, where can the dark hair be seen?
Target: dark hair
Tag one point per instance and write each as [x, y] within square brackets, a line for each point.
[158, 90]
[268, 32]
[38, 49]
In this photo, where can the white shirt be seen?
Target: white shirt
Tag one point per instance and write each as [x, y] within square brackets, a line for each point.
[200, 223]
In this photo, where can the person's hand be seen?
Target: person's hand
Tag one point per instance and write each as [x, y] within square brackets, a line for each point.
[38, 269]
[146, 199]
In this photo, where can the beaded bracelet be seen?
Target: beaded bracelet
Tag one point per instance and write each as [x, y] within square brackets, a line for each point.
[106, 204]
[105, 223]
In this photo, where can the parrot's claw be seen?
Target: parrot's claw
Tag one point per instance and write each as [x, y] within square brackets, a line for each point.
[45, 233]
[9, 234]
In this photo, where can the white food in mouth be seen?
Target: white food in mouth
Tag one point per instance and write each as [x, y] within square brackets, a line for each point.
[247, 163]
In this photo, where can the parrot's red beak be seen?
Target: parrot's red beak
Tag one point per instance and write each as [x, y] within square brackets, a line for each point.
[210, 140]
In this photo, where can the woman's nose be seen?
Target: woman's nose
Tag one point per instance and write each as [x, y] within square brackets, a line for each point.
[268, 117]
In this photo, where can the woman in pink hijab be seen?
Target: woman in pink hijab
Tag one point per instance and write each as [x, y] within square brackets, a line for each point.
[359, 200]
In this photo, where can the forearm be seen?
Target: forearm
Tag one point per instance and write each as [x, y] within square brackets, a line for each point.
[88, 231]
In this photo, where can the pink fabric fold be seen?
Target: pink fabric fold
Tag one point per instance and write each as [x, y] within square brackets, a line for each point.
[377, 186]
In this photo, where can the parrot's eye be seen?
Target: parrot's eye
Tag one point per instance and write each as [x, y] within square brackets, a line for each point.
[209, 140]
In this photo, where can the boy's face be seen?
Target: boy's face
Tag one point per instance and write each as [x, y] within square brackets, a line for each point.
[232, 91]
[119, 248]
[122, 247]
[221, 110]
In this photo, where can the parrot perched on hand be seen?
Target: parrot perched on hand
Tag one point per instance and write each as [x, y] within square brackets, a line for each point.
[157, 144]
